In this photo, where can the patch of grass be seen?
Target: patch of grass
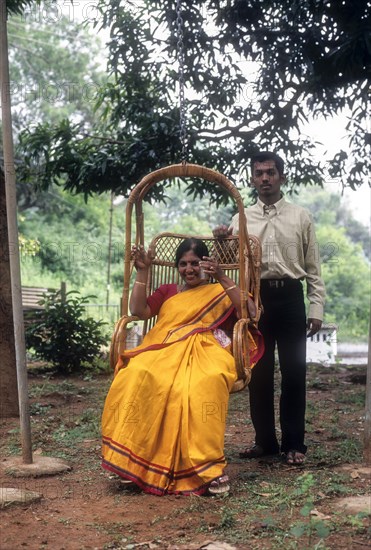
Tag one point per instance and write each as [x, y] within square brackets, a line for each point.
[197, 504]
[13, 442]
[39, 409]
[354, 397]
[336, 433]
[65, 521]
[349, 450]
[318, 384]
[280, 511]
[238, 408]
[312, 411]
[64, 388]
[112, 528]
[45, 388]
[227, 518]
[87, 426]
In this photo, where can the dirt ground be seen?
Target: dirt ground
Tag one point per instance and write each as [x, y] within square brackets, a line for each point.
[270, 505]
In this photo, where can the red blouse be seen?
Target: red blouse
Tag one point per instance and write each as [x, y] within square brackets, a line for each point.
[164, 292]
[160, 295]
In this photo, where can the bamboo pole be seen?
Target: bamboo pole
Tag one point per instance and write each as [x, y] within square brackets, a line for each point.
[109, 252]
[15, 274]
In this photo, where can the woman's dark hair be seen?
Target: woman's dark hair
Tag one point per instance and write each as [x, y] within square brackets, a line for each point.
[198, 247]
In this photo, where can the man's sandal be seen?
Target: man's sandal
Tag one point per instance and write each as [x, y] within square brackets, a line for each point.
[219, 486]
[295, 458]
[256, 451]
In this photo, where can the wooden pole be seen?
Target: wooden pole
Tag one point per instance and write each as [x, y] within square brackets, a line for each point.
[15, 271]
[109, 251]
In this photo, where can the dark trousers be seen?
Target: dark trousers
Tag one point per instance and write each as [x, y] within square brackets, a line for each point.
[283, 323]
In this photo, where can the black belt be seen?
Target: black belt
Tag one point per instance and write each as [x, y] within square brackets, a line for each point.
[279, 283]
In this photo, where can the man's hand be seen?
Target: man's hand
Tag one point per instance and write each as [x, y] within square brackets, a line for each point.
[313, 326]
[222, 231]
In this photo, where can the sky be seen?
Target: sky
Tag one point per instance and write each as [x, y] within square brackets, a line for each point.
[331, 133]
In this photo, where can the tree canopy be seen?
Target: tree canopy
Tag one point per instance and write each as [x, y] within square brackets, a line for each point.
[54, 71]
[255, 72]
[18, 6]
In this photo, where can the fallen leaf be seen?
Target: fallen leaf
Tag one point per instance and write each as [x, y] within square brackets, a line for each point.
[265, 484]
[319, 514]
[215, 545]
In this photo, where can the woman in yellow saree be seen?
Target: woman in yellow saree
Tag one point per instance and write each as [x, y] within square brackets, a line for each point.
[164, 418]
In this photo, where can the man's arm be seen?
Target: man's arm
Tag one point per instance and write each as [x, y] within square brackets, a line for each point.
[315, 286]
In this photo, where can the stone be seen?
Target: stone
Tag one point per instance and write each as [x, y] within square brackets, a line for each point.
[11, 495]
[41, 466]
[355, 505]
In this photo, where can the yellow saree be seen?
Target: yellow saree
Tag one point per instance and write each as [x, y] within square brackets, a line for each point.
[164, 418]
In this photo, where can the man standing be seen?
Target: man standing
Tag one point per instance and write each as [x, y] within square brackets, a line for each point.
[290, 256]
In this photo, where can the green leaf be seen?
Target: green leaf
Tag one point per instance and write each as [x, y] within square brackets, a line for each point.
[298, 530]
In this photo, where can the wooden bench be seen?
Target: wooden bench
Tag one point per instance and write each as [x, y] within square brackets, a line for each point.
[31, 298]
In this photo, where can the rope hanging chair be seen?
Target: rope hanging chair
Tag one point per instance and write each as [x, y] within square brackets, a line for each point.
[239, 256]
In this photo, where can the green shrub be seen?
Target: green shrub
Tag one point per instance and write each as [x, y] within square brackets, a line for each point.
[62, 336]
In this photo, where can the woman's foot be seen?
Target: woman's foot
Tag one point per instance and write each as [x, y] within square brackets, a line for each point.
[295, 458]
[219, 486]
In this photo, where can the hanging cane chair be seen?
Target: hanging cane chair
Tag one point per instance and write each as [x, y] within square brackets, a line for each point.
[239, 256]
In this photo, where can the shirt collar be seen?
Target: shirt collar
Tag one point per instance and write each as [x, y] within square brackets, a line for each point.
[277, 205]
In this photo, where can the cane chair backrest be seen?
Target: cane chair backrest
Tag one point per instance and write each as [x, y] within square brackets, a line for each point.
[226, 251]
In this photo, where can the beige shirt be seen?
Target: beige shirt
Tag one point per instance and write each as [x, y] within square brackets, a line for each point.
[289, 247]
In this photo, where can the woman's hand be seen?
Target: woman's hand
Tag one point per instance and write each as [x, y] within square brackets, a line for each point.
[138, 298]
[142, 259]
[211, 267]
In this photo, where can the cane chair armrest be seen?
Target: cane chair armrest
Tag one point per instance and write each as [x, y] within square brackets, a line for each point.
[241, 354]
[118, 341]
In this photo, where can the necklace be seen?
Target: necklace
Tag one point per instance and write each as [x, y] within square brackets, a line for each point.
[181, 288]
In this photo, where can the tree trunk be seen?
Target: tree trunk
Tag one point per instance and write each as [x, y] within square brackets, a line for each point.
[367, 436]
[8, 371]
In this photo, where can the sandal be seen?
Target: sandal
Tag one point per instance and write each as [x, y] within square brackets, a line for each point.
[126, 482]
[219, 486]
[256, 451]
[295, 458]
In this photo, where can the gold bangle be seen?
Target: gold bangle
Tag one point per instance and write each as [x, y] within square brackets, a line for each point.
[139, 283]
[230, 288]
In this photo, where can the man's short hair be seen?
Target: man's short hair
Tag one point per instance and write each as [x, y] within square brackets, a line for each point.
[263, 156]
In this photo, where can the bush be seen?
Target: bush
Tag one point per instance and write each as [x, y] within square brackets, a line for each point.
[62, 336]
